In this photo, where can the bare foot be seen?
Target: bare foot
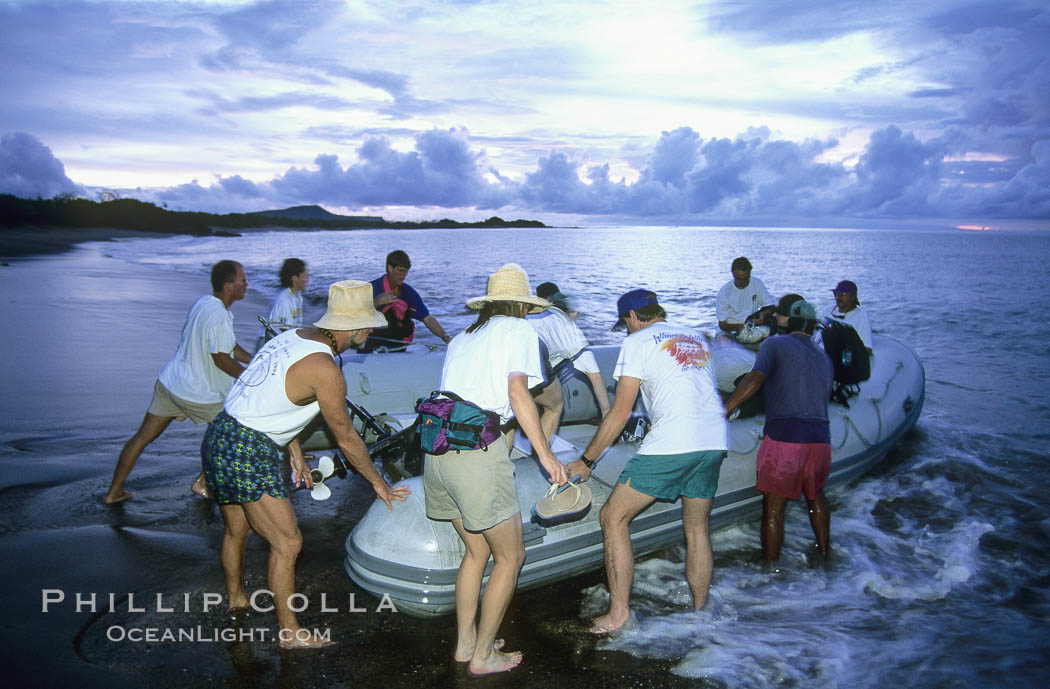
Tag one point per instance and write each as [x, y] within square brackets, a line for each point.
[608, 623]
[113, 498]
[299, 640]
[199, 487]
[496, 662]
[465, 652]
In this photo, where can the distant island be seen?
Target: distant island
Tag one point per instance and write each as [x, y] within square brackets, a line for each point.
[140, 216]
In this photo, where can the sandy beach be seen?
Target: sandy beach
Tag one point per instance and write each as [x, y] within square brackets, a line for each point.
[87, 336]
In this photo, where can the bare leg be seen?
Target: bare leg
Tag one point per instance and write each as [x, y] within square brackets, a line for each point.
[468, 590]
[699, 560]
[551, 404]
[820, 520]
[772, 525]
[234, 539]
[504, 542]
[274, 520]
[622, 506]
[149, 430]
[600, 392]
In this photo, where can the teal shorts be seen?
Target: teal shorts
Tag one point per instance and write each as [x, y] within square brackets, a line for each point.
[669, 477]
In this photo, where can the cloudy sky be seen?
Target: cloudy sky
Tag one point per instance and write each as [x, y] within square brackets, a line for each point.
[802, 112]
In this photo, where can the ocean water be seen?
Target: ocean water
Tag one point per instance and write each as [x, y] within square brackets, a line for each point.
[940, 574]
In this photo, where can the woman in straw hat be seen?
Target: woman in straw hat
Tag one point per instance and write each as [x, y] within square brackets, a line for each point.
[493, 363]
[292, 378]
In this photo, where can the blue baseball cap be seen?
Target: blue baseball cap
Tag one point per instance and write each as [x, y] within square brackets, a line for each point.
[632, 301]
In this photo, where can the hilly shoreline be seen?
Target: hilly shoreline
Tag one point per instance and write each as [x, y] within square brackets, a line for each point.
[47, 226]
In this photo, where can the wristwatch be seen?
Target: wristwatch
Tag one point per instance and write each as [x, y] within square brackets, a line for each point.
[589, 463]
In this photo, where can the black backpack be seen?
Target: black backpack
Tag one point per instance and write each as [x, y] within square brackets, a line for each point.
[849, 357]
[848, 354]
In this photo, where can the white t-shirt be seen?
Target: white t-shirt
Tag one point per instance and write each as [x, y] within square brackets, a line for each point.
[191, 374]
[678, 389]
[259, 399]
[286, 308]
[563, 338]
[856, 317]
[478, 364]
[734, 304]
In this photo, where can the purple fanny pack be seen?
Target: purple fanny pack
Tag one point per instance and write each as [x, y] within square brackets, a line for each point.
[448, 422]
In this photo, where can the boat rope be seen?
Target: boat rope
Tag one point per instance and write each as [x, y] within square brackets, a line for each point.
[757, 435]
[856, 429]
[900, 365]
[845, 430]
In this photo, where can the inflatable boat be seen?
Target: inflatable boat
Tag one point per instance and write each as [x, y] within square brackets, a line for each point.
[402, 554]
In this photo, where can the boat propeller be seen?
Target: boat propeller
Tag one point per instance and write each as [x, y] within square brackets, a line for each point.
[327, 466]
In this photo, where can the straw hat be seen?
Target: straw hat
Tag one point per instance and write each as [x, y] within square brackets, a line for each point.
[509, 283]
[350, 307]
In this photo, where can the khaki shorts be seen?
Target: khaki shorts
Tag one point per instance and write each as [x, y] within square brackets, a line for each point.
[166, 404]
[476, 486]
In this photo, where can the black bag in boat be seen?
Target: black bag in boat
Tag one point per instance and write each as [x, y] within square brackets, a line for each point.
[848, 354]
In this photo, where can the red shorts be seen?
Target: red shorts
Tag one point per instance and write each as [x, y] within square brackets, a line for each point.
[789, 469]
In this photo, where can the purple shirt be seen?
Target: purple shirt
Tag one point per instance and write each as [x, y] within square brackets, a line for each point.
[797, 388]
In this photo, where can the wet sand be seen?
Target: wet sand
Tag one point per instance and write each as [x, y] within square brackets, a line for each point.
[86, 336]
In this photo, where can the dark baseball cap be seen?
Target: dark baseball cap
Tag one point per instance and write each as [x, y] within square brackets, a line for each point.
[632, 301]
[794, 306]
[847, 286]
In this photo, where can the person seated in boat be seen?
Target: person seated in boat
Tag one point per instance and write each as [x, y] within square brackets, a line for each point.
[740, 297]
[680, 457]
[287, 305]
[550, 292]
[401, 305]
[565, 344]
[194, 382]
[492, 364]
[291, 379]
[795, 454]
[846, 309]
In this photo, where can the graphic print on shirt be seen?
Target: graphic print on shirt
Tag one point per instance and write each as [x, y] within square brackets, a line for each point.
[261, 367]
[689, 352]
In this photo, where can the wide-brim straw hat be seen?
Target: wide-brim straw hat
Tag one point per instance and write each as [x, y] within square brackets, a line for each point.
[350, 307]
[509, 283]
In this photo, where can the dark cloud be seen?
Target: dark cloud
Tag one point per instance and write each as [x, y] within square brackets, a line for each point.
[28, 169]
[792, 21]
[753, 177]
[217, 104]
[895, 176]
[936, 93]
[441, 171]
[969, 17]
[274, 25]
[675, 155]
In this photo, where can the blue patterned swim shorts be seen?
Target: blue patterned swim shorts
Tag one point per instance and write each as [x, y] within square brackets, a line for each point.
[240, 464]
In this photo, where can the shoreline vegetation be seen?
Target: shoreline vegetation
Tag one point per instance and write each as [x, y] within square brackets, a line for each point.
[47, 226]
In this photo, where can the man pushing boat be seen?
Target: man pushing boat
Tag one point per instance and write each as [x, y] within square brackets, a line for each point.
[292, 378]
[680, 457]
[194, 382]
[795, 455]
